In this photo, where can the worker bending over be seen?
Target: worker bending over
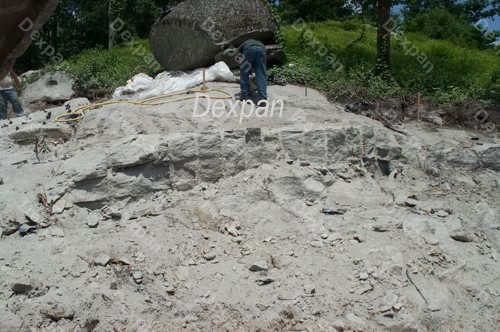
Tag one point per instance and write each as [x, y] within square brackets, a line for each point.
[255, 59]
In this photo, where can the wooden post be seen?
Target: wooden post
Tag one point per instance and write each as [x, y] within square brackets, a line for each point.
[204, 87]
[418, 106]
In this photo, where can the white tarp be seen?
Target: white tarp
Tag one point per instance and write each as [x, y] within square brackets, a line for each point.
[142, 86]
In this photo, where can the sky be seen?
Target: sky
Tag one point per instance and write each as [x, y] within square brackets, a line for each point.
[495, 23]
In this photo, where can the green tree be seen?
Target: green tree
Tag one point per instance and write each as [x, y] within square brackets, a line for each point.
[471, 10]
[383, 61]
[82, 24]
[450, 19]
[313, 10]
[439, 23]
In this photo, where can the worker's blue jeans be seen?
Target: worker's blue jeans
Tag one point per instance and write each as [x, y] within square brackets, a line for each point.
[9, 96]
[255, 59]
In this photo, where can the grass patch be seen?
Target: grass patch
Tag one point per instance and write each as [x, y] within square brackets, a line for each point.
[449, 73]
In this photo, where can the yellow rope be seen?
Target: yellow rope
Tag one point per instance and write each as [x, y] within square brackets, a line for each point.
[79, 113]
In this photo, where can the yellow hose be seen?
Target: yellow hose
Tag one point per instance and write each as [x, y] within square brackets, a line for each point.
[79, 113]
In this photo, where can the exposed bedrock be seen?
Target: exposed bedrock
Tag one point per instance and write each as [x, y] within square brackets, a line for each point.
[122, 151]
[138, 165]
[479, 156]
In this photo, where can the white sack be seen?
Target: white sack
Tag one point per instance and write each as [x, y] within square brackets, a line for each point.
[142, 86]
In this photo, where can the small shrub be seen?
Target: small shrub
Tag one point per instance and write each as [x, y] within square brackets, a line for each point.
[100, 69]
[292, 74]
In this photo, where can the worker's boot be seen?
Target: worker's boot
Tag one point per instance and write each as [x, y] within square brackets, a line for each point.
[242, 98]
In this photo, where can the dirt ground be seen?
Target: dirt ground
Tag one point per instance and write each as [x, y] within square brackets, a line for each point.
[152, 219]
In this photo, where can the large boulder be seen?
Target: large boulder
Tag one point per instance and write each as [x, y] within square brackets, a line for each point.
[196, 31]
[50, 87]
[19, 18]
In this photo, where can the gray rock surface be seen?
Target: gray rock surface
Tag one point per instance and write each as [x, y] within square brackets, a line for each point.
[29, 133]
[102, 260]
[50, 87]
[187, 205]
[490, 157]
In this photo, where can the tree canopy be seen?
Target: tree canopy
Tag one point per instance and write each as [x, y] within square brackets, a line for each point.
[83, 24]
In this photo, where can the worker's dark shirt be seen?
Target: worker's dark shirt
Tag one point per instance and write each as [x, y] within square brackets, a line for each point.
[249, 43]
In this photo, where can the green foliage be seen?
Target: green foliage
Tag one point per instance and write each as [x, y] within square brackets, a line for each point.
[77, 25]
[439, 23]
[471, 10]
[279, 38]
[99, 69]
[449, 72]
[312, 10]
[292, 74]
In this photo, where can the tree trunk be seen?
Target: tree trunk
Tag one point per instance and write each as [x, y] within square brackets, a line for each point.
[19, 19]
[384, 26]
[111, 32]
[55, 29]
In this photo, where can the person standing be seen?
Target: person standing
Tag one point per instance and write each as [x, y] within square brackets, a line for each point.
[255, 55]
[9, 95]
